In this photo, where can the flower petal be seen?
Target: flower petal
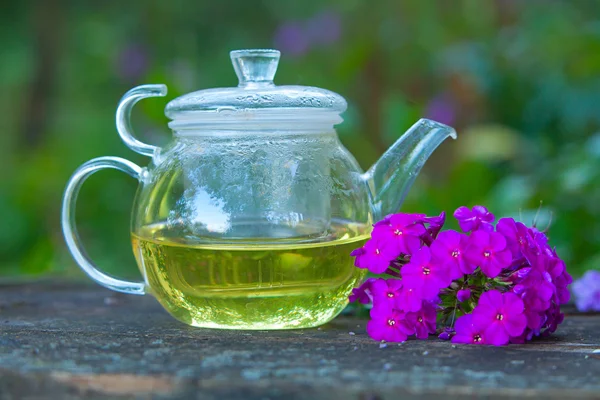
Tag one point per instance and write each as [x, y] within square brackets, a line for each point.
[496, 335]
[411, 269]
[357, 252]
[406, 327]
[462, 338]
[378, 286]
[378, 265]
[422, 256]
[463, 212]
[534, 320]
[497, 241]
[375, 330]
[449, 238]
[415, 229]
[483, 316]
[490, 268]
[515, 324]
[390, 248]
[381, 310]
[512, 304]
[483, 213]
[411, 244]
[466, 267]
[479, 239]
[394, 284]
[439, 251]
[507, 227]
[491, 298]
[464, 324]
[395, 336]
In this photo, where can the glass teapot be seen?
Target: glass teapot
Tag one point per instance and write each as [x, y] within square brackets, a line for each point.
[246, 220]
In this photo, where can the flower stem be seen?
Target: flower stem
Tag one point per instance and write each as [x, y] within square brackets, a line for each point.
[454, 313]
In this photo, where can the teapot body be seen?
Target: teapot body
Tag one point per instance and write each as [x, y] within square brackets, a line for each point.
[251, 230]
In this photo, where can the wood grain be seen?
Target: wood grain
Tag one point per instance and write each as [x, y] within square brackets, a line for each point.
[72, 341]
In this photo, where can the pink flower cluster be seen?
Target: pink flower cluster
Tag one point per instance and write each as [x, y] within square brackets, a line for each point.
[492, 284]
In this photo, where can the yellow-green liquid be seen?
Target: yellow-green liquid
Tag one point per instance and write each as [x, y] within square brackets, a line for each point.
[251, 285]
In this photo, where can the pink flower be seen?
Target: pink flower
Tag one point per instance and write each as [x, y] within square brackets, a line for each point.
[500, 316]
[386, 291]
[403, 229]
[517, 235]
[467, 332]
[363, 292]
[516, 278]
[434, 276]
[388, 324]
[535, 291]
[435, 225]
[449, 249]
[488, 250]
[423, 320]
[587, 291]
[537, 246]
[553, 273]
[472, 220]
[447, 333]
[376, 255]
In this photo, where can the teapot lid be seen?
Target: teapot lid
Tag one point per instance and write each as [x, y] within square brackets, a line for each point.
[256, 98]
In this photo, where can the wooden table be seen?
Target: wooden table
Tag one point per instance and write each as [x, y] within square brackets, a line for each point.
[68, 341]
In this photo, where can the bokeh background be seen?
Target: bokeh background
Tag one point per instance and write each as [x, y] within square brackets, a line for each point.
[520, 81]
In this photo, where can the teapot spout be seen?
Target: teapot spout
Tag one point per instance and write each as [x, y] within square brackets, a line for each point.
[391, 177]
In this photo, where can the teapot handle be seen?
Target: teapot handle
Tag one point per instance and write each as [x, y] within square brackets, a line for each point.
[68, 221]
[124, 113]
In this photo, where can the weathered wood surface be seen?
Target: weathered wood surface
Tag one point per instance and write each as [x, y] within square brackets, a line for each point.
[73, 342]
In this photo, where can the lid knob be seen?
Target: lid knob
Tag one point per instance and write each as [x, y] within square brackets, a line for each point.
[255, 67]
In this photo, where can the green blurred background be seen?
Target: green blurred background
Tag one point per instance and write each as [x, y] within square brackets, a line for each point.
[520, 81]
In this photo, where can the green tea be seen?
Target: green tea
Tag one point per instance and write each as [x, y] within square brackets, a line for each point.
[251, 285]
